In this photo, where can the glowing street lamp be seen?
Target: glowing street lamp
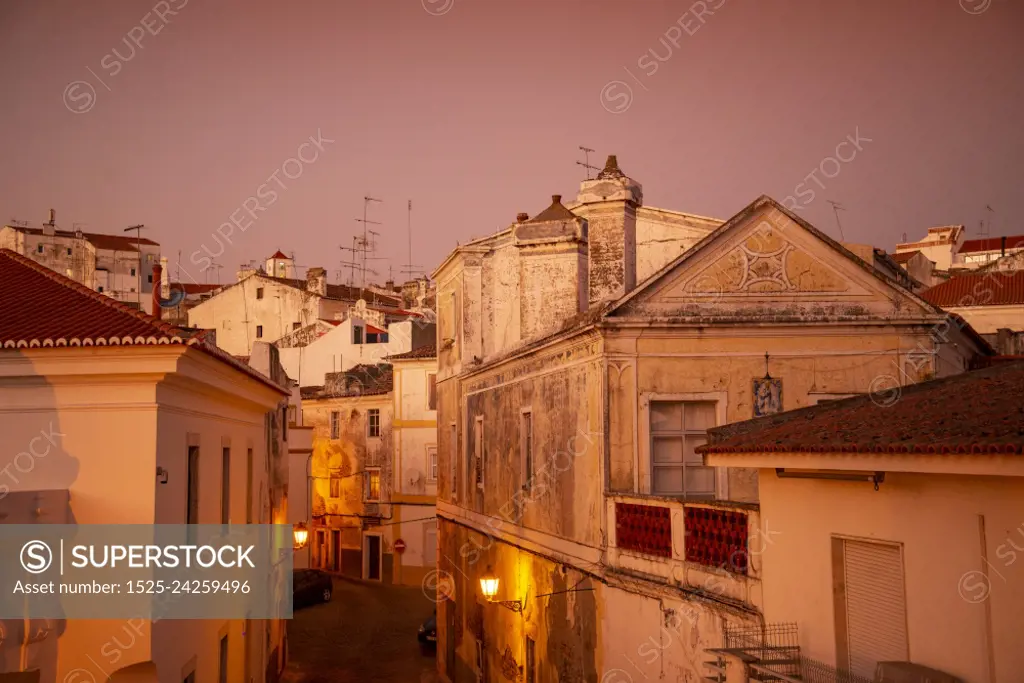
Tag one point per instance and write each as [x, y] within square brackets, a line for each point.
[301, 534]
[489, 587]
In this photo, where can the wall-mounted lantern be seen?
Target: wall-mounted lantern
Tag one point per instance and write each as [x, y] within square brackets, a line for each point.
[489, 583]
[301, 534]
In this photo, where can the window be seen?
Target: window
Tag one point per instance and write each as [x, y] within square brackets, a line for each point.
[383, 338]
[149, 258]
[357, 334]
[677, 428]
[335, 424]
[526, 449]
[133, 272]
[259, 292]
[335, 486]
[296, 326]
[432, 463]
[248, 486]
[432, 391]
[69, 251]
[149, 279]
[284, 422]
[100, 289]
[292, 414]
[192, 501]
[259, 331]
[225, 486]
[478, 452]
[373, 422]
[453, 460]
[372, 485]
[224, 660]
[39, 248]
[531, 665]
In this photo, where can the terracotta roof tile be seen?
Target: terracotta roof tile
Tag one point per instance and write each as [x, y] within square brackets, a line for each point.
[904, 256]
[279, 255]
[981, 411]
[99, 240]
[988, 288]
[992, 244]
[429, 351]
[45, 309]
[555, 212]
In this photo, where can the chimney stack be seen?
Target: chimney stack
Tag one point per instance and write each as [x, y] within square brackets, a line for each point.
[522, 217]
[157, 309]
[316, 281]
[50, 227]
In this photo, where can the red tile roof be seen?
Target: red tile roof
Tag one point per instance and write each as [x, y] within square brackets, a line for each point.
[43, 309]
[370, 329]
[992, 244]
[98, 240]
[981, 411]
[988, 288]
[279, 255]
[195, 288]
[904, 256]
[429, 351]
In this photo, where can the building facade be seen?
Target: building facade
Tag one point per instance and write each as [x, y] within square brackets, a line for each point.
[118, 266]
[571, 399]
[897, 529]
[414, 491]
[351, 472]
[991, 301]
[260, 307]
[139, 418]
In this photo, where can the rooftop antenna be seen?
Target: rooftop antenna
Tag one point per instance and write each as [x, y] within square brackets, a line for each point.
[18, 224]
[410, 268]
[985, 226]
[586, 161]
[836, 208]
[213, 266]
[353, 250]
[138, 272]
[365, 244]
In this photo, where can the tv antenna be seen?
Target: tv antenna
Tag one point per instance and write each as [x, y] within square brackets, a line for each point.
[18, 224]
[366, 243]
[985, 225]
[410, 268]
[352, 263]
[213, 266]
[138, 245]
[586, 161]
[836, 208]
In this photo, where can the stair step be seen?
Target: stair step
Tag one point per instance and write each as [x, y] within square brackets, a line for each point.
[717, 666]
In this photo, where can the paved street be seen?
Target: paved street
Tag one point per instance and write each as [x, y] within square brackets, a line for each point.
[366, 634]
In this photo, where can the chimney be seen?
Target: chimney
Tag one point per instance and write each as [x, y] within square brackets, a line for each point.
[316, 281]
[49, 227]
[609, 204]
[522, 217]
[157, 272]
[165, 281]
[1004, 245]
[389, 285]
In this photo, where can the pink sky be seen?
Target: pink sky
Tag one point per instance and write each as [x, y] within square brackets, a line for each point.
[475, 109]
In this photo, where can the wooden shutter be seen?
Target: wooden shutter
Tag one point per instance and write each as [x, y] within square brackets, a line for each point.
[876, 607]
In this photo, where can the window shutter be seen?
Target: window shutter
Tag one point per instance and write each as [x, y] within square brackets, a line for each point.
[876, 609]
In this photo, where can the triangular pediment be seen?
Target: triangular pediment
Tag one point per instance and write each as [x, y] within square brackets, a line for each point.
[766, 262]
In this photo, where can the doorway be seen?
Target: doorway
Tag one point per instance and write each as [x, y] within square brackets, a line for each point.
[373, 557]
[336, 550]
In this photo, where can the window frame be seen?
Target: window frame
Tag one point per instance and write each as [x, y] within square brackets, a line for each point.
[526, 450]
[259, 293]
[335, 424]
[193, 467]
[370, 473]
[645, 453]
[370, 414]
[259, 331]
[432, 463]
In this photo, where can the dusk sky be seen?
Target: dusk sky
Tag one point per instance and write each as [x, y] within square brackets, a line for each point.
[475, 110]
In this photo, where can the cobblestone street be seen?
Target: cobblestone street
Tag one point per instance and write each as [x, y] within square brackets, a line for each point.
[366, 634]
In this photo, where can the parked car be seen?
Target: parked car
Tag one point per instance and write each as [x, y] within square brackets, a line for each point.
[428, 632]
[310, 587]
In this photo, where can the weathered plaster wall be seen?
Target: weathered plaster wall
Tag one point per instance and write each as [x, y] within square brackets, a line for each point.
[564, 627]
[663, 235]
[611, 234]
[501, 305]
[721, 365]
[562, 389]
[549, 287]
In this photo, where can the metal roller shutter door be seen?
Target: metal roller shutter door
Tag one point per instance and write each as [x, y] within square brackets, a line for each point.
[876, 608]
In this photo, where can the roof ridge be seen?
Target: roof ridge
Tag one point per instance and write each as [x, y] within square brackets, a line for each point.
[79, 288]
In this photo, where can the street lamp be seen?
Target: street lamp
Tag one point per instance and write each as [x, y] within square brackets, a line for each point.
[301, 534]
[489, 587]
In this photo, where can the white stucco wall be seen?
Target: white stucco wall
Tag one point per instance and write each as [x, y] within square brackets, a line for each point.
[936, 519]
[989, 319]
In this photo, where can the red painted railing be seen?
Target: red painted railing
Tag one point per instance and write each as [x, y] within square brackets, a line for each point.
[716, 538]
[644, 529]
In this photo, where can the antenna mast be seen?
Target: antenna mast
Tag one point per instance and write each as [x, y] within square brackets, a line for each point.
[366, 242]
[410, 268]
[586, 161]
[836, 208]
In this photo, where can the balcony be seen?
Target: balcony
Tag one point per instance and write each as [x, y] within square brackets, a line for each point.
[711, 547]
